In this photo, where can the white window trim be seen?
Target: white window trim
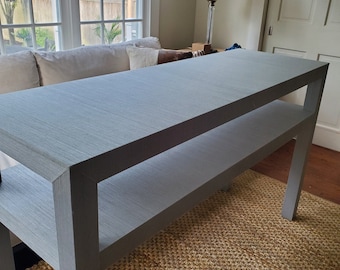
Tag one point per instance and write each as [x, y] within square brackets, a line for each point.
[70, 16]
[71, 28]
[151, 15]
[71, 36]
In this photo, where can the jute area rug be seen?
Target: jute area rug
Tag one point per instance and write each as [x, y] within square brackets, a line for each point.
[243, 229]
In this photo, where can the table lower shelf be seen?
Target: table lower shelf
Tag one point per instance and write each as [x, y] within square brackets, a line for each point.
[136, 203]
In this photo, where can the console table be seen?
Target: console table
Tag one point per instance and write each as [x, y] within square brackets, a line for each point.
[106, 162]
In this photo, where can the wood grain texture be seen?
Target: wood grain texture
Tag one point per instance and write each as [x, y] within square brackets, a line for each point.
[100, 117]
[154, 141]
[303, 143]
[6, 254]
[27, 209]
[76, 201]
[173, 181]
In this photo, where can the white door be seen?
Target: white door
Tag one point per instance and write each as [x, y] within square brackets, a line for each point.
[310, 29]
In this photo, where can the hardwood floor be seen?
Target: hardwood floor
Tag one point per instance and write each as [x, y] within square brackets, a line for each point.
[322, 177]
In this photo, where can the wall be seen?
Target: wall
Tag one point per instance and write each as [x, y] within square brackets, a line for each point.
[176, 23]
[238, 21]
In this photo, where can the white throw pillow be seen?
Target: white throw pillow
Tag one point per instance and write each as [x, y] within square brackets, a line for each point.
[18, 71]
[148, 42]
[142, 57]
[83, 62]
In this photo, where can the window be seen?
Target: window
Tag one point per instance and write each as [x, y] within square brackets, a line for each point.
[109, 21]
[50, 25]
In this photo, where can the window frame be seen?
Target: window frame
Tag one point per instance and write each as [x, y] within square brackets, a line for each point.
[70, 24]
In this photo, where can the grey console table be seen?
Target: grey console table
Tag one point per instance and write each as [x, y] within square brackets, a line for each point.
[106, 162]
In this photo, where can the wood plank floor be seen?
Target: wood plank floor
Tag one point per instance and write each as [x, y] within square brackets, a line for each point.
[322, 177]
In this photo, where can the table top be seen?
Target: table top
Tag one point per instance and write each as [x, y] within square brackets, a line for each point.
[114, 121]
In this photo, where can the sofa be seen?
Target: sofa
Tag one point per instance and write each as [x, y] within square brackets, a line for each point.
[30, 69]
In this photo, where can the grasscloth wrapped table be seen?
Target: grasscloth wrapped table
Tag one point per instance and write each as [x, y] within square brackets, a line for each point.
[108, 161]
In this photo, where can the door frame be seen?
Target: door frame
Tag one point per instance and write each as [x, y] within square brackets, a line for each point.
[257, 24]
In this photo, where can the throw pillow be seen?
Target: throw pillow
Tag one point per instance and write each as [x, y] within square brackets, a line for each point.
[146, 42]
[144, 57]
[166, 56]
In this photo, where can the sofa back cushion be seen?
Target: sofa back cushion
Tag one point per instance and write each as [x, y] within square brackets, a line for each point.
[18, 71]
[87, 61]
[83, 62]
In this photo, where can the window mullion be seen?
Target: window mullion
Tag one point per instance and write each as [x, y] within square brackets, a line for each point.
[70, 18]
[30, 5]
[102, 21]
[123, 21]
[2, 45]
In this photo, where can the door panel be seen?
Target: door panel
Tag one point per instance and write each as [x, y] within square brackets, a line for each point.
[298, 11]
[310, 29]
[333, 16]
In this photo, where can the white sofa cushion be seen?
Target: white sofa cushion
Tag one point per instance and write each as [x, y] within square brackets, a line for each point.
[83, 62]
[88, 61]
[18, 71]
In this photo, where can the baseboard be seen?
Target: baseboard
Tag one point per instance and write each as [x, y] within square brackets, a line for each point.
[24, 257]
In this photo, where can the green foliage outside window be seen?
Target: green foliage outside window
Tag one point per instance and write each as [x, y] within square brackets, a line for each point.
[8, 7]
[42, 36]
[110, 33]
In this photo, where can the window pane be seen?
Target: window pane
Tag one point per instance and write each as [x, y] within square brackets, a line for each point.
[94, 33]
[24, 36]
[14, 12]
[16, 40]
[133, 9]
[89, 34]
[89, 10]
[113, 9]
[46, 38]
[112, 33]
[133, 30]
[45, 11]
[15, 48]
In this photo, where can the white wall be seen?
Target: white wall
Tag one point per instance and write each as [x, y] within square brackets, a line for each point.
[176, 23]
[238, 21]
[181, 22]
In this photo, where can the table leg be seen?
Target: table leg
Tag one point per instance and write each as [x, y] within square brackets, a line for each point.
[296, 175]
[6, 251]
[76, 210]
[301, 151]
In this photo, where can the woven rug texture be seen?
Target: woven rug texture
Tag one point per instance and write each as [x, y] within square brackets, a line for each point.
[243, 229]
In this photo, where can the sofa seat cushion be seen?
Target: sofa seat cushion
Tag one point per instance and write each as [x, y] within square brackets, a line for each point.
[87, 61]
[18, 71]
